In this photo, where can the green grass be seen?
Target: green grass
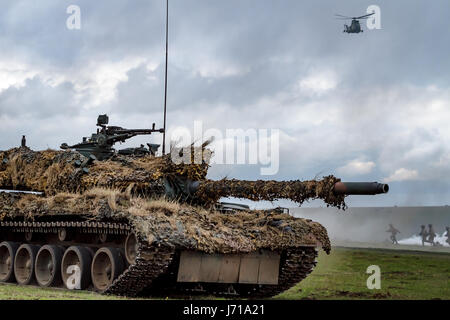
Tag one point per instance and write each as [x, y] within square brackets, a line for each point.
[340, 275]
[404, 275]
[15, 292]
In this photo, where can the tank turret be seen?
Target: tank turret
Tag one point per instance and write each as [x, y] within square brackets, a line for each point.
[63, 171]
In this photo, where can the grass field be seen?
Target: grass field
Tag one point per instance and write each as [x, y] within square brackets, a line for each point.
[341, 275]
[404, 275]
[14, 292]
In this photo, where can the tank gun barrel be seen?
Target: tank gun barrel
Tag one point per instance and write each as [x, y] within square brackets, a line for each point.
[330, 189]
[360, 188]
[339, 188]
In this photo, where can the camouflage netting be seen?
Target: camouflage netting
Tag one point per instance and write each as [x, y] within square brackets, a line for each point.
[296, 190]
[173, 224]
[53, 172]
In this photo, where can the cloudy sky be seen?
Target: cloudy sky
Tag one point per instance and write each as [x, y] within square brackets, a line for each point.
[371, 106]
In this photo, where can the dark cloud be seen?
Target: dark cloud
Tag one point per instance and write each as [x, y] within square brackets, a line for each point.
[38, 100]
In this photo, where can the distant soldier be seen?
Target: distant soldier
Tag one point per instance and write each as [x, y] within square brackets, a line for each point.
[423, 233]
[24, 142]
[393, 232]
[447, 235]
[431, 234]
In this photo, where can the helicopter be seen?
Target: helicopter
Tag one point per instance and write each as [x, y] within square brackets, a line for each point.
[355, 26]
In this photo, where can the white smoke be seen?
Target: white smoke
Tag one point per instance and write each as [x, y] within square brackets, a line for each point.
[417, 240]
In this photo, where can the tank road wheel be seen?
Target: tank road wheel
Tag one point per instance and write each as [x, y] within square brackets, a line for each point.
[107, 265]
[24, 263]
[131, 248]
[76, 267]
[7, 254]
[48, 265]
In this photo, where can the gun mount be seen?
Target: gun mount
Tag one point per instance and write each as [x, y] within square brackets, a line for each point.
[101, 144]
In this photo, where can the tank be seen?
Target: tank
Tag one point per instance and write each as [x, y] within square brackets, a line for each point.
[132, 223]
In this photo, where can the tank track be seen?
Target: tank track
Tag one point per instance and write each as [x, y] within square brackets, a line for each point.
[155, 267]
[151, 263]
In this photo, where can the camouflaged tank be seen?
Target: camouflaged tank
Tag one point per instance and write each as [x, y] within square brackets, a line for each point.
[133, 224]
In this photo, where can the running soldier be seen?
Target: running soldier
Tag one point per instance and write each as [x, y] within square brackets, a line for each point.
[424, 234]
[431, 234]
[393, 232]
[447, 234]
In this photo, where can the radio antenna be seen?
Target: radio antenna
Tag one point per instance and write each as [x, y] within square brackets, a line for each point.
[165, 79]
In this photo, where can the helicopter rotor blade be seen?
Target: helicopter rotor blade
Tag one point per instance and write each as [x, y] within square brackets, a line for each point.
[340, 15]
[365, 16]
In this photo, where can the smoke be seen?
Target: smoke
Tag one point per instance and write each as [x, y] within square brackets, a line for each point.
[369, 224]
[417, 240]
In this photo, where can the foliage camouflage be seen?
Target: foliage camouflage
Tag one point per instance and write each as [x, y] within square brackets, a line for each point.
[53, 172]
[173, 224]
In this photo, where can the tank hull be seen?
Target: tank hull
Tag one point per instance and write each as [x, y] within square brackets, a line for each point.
[157, 266]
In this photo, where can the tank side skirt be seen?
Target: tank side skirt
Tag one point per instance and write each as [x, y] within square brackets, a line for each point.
[296, 263]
